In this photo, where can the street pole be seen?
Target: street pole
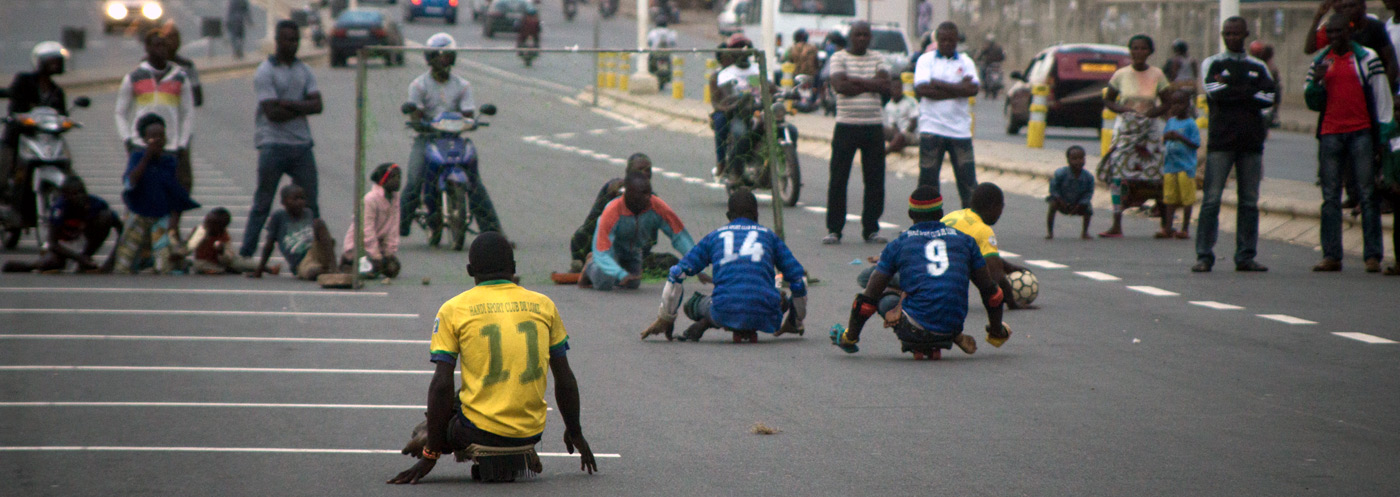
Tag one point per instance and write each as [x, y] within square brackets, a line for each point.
[597, 57]
[1228, 9]
[768, 45]
[361, 75]
[771, 154]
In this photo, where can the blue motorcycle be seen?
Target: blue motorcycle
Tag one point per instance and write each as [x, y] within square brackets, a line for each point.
[448, 159]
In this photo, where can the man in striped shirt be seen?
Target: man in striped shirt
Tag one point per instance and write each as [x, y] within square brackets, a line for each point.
[860, 78]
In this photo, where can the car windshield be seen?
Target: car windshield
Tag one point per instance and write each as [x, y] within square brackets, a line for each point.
[361, 18]
[888, 41]
[819, 7]
[509, 6]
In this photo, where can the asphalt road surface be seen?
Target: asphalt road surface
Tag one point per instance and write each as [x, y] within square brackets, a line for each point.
[1133, 377]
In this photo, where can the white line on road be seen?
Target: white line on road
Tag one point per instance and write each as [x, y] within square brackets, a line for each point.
[1284, 318]
[814, 208]
[1363, 337]
[1097, 276]
[262, 450]
[1152, 290]
[37, 336]
[182, 312]
[1008, 255]
[1217, 305]
[198, 369]
[1046, 264]
[193, 291]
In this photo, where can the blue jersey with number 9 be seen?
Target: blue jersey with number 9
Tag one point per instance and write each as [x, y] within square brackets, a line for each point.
[934, 263]
[745, 255]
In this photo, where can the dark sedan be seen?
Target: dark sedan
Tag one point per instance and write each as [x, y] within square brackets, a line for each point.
[503, 16]
[359, 28]
[1076, 75]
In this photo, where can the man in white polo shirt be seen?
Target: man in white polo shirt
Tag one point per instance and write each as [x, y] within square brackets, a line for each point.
[943, 81]
[859, 78]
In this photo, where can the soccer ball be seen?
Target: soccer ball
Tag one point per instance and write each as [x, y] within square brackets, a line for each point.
[1024, 287]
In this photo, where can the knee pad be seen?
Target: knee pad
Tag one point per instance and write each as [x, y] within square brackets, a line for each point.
[694, 305]
[864, 307]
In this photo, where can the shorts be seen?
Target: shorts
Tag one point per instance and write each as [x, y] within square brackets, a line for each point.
[1178, 189]
[914, 337]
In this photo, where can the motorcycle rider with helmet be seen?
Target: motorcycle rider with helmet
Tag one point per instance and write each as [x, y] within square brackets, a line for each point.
[27, 91]
[738, 87]
[659, 64]
[433, 93]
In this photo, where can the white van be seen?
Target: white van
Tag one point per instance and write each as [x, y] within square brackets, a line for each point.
[816, 16]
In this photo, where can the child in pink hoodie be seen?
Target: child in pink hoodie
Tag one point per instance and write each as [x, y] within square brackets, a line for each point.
[381, 223]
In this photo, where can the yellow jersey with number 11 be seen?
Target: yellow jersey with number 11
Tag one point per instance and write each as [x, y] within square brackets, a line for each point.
[503, 336]
[971, 224]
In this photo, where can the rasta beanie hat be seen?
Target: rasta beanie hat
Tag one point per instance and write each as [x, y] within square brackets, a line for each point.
[925, 201]
[490, 255]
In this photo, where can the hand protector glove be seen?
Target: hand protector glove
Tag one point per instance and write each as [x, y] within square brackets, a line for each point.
[841, 341]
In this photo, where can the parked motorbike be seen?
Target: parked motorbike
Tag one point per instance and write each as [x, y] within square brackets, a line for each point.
[449, 158]
[570, 9]
[46, 160]
[756, 171]
[991, 80]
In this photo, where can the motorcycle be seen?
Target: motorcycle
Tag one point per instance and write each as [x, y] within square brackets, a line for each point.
[570, 9]
[756, 171]
[991, 80]
[659, 64]
[448, 159]
[46, 160]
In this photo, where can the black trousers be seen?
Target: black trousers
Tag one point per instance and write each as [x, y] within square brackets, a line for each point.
[869, 139]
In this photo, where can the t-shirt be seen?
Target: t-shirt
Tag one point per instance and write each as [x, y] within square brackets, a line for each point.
[1346, 100]
[901, 114]
[622, 236]
[934, 263]
[207, 252]
[275, 81]
[745, 78]
[951, 117]
[1138, 89]
[1180, 156]
[434, 98]
[744, 254]
[294, 236]
[865, 107]
[1072, 189]
[69, 221]
[503, 336]
[158, 193]
[970, 223]
[804, 58]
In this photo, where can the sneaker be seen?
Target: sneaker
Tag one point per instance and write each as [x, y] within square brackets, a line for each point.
[1328, 266]
[1251, 267]
[831, 239]
[693, 333]
[966, 343]
[838, 338]
[1373, 265]
[875, 238]
[1201, 267]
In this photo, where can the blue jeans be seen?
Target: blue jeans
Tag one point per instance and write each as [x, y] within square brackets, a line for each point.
[412, 192]
[1336, 154]
[275, 160]
[720, 124]
[606, 282]
[1249, 171]
[931, 148]
[739, 146]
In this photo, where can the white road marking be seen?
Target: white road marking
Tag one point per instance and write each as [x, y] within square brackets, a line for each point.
[1284, 318]
[814, 208]
[672, 174]
[184, 312]
[1217, 305]
[262, 450]
[568, 135]
[1046, 264]
[714, 186]
[688, 179]
[1363, 337]
[215, 404]
[38, 336]
[1152, 290]
[195, 369]
[1095, 275]
[1008, 255]
[325, 293]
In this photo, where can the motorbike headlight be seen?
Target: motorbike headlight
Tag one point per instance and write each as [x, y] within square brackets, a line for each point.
[116, 11]
[152, 11]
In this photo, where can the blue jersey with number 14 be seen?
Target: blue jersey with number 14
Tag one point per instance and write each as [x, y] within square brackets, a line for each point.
[934, 263]
[745, 255]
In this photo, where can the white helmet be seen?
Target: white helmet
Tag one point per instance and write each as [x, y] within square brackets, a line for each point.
[440, 40]
[47, 50]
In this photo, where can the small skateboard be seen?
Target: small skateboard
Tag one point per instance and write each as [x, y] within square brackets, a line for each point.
[742, 336]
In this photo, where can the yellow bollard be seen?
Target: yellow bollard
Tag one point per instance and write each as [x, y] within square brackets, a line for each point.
[611, 65]
[787, 83]
[1202, 113]
[1110, 119]
[711, 65]
[908, 79]
[1035, 134]
[678, 77]
[625, 74]
[602, 70]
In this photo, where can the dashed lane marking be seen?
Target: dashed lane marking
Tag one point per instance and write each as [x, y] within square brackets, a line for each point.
[261, 450]
[1152, 290]
[1009, 255]
[1046, 264]
[186, 291]
[37, 336]
[1217, 305]
[1095, 275]
[1363, 337]
[1284, 318]
[184, 312]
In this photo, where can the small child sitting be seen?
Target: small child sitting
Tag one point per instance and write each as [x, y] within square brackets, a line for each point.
[381, 231]
[304, 240]
[78, 224]
[212, 252]
[1179, 169]
[901, 122]
[153, 197]
[1071, 193]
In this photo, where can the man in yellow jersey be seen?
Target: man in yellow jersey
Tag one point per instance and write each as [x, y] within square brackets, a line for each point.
[502, 335]
[977, 221]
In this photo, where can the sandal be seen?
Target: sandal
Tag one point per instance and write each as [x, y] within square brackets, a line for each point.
[1164, 234]
[1110, 235]
[1182, 235]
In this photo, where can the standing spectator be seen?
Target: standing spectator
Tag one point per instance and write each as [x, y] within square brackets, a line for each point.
[1180, 69]
[925, 16]
[160, 87]
[1265, 52]
[901, 120]
[381, 223]
[1347, 87]
[943, 82]
[153, 195]
[1182, 138]
[1071, 193]
[1238, 88]
[287, 93]
[719, 120]
[237, 18]
[1133, 165]
[803, 55]
[1365, 31]
[859, 78]
[172, 45]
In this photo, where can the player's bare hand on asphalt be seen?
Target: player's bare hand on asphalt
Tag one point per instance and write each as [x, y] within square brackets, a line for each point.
[418, 471]
[574, 440]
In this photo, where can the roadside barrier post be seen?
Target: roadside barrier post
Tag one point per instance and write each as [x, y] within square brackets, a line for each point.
[602, 69]
[1110, 121]
[678, 77]
[625, 74]
[610, 63]
[1035, 135]
[908, 79]
[1202, 113]
[710, 66]
[787, 83]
